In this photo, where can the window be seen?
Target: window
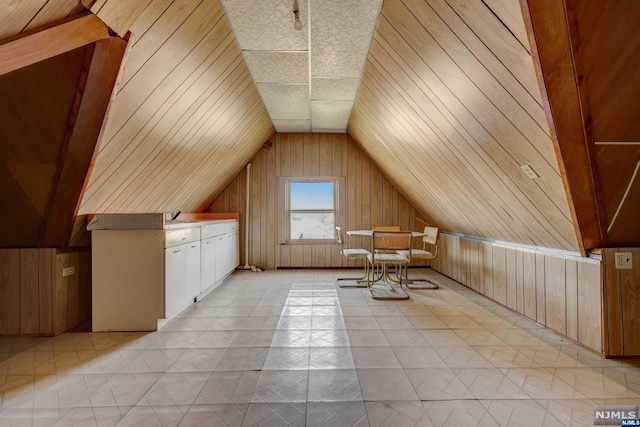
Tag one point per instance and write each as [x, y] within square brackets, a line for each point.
[311, 209]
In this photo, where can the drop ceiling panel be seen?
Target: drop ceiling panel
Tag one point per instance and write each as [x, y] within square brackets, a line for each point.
[341, 33]
[266, 24]
[284, 126]
[334, 89]
[286, 101]
[327, 55]
[278, 67]
[330, 114]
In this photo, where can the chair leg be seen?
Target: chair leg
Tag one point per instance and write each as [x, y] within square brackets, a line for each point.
[361, 282]
[421, 284]
[393, 293]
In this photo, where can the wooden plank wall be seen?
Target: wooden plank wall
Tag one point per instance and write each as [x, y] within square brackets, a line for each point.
[186, 116]
[562, 294]
[36, 299]
[367, 198]
[622, 304]
[450, 108]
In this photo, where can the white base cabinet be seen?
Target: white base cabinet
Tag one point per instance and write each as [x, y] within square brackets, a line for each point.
[143, 276]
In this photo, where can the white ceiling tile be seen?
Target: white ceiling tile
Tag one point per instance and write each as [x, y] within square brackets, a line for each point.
[341, 33]
[334, 89]
[279, 67]
[267, 24]
[285, 101]
[330, 114]
[292, 125]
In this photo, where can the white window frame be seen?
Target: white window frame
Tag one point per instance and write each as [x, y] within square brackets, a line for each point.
[310, 179]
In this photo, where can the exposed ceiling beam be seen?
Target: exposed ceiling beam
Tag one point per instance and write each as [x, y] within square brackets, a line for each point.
[550, 36]
[82, 138]
[29, 49]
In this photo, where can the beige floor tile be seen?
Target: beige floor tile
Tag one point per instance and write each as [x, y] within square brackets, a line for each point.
[438, 337]
[461, 356]
[121, 390]
[223, 415]
[329, 338]
[385, 385]
[243, 359]
[336, 414]
[284, 358]
[374, 357]
[161, 416]
[259, 338]
[523, 413]
[417, 356]
[235, 387]
[281, 386]
[452, 413]
[391, 414]
[489, 384]
[367, 337]
[437, 384]
[291, 338]
[275, 415]
[175, 388]
[331, 358]
[330, 385]
[215, 339]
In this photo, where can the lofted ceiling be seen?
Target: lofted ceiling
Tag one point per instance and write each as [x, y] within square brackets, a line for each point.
[448, 106]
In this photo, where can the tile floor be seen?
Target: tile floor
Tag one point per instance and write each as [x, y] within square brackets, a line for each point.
[286, 348]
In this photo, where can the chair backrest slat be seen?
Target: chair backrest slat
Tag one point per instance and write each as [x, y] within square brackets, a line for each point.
[386, 228]
[431, 235]
[391, 240]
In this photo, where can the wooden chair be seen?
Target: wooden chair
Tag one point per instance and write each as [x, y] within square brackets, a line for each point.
[385, 246]
[431, 237]
[352, 254]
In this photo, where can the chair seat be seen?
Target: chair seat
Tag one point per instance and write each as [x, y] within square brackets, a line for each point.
[355, 253]
[416, 253]
[389, 258]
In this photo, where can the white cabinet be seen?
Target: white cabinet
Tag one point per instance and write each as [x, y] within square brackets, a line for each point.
[142, 276]
[221, 255]
[207, 263]
[176, 270]
[193, 271]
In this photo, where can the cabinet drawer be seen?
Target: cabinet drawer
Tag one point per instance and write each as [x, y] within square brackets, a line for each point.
[178, 237]
[210, 230]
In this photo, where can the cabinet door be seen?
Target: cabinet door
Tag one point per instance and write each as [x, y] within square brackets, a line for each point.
[208, 263]
[235, 245]
[220, 257]
[193, 272]
[175, 279]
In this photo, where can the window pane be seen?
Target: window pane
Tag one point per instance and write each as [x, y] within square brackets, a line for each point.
[312, 225]
[311, 196]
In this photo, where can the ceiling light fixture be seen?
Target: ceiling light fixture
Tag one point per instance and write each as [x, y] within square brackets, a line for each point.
[297, 25]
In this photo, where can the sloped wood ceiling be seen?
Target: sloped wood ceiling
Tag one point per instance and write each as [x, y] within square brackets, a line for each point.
[450, 108]
[20, 16]
[186, 115]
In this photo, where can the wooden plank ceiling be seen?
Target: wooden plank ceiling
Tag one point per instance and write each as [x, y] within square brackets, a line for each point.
[186, 115]
[450, 108]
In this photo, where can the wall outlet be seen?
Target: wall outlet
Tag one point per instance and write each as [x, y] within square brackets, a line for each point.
[529, 171]
[68, 271]
[624, 261]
